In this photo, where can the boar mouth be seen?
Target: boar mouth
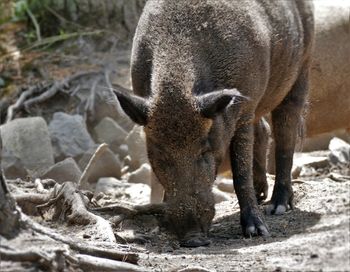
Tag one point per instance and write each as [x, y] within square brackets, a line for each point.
[194, 239]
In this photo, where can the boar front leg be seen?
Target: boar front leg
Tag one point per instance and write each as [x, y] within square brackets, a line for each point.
[241, 152]
[286, 120]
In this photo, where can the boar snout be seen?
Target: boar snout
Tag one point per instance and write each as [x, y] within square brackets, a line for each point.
[190, 220]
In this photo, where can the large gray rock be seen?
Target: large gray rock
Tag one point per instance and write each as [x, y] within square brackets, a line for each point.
[69, 135]
[66, 170]
[340, 151]
[108, 131]
[136, 142]
[13, 166]
[28, 140]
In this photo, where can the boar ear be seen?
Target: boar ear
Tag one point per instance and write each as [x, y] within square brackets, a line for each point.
[212, 104]
[134, 106]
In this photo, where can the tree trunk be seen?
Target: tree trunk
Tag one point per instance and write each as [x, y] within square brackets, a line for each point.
[9, 216]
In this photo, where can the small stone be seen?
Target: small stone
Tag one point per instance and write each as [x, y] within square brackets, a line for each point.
[141, 175]
[340, 151]
[314, 256]
[220, 196]
[28, 140]
[310, 160]
[136, 142]
[66, 170]
[224, 184]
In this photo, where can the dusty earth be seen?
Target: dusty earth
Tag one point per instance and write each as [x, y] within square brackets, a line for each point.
[315, 236]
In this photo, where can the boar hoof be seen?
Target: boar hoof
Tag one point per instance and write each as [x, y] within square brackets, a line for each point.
[194, 240]
[271, 209]
[254, 225]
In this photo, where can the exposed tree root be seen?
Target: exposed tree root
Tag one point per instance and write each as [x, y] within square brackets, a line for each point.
[29, 202]
[123, 212]
[90, 263]
[70, 205]
[44, 92]
[26, 256]
[57, 86]
[81, 247]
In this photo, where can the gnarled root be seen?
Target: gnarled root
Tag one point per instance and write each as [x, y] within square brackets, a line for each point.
[131, 212]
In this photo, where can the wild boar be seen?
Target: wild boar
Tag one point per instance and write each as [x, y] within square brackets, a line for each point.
[204, 73]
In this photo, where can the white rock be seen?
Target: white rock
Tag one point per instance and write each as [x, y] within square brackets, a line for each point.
[108, 165]
[141, 175]
[69, 135]
[137, 147]
[224, 184]
[28, 140]
[220, 196]
[310, 160]
[66, 170]
[340, 151]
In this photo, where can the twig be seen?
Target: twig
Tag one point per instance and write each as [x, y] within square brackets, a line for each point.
[82, 248]
[35, 23]
[19, 103]
[55, 88]
[90, 103]
[87, 171]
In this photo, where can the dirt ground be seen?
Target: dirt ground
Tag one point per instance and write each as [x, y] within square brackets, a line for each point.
[315, 236]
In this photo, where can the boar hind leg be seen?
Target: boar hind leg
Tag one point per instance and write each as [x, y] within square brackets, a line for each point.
[241, 152]
[261, 142]
[286, 121]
